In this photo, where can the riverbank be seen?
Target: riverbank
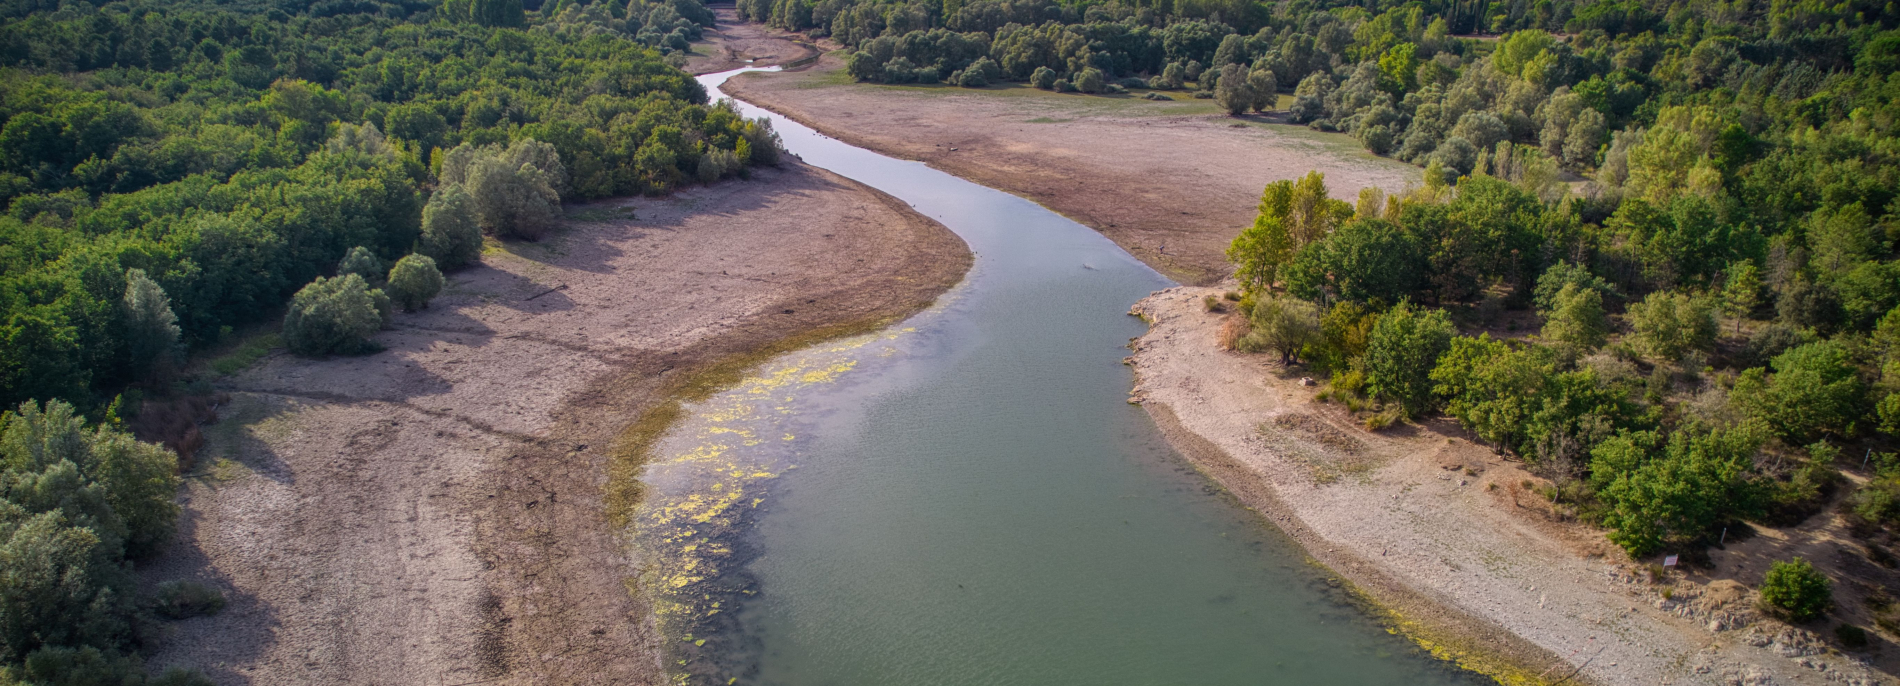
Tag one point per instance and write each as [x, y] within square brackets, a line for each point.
[733, 44]
[1443, 534]
[434, 513]
[1172, 182]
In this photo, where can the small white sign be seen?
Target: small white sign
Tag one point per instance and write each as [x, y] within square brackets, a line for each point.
[1669, 560]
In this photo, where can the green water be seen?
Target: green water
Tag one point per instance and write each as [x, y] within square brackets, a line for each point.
[967, 499]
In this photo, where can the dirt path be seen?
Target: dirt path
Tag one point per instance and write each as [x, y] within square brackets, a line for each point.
[1172, 182]
[1440, 531]
[433, 514]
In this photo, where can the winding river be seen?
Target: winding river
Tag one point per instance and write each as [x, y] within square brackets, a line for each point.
[965, 498]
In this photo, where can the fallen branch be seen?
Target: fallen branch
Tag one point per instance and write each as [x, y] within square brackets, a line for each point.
[561, 287]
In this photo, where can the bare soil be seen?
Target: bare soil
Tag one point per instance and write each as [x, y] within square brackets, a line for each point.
[732, 44]
[1172, 182]
[1454, 542]
[433, 514]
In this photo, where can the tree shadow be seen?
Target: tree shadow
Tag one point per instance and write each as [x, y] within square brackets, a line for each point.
[239, 634]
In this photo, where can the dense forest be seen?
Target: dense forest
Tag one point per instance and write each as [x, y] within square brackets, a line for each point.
[172, 172]
[233, 156]
[1652, 254]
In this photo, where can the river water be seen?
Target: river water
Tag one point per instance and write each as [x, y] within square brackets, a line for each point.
[966, 498]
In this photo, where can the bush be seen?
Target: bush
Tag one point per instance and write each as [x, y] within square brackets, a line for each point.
[184, 599]
[450, 232]
[1090, 81]
[334, 316]
[1284, 325]
[1044, 78]
[414, 281]
[1797, 591]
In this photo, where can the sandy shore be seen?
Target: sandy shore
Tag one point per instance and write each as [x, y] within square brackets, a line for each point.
[1430, 526]
[1172, 182]
[433, 514]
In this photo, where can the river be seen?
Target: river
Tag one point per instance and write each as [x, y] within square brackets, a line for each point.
[966, 498]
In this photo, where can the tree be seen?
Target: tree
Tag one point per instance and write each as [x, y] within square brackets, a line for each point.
[361, 262]
[1284, 325]
[1578, 322]
[1814, 391]
[1797, 589]
[1364, 261]
[1669, 324]
[334, 316]
[1659, 492]
[1266, 90]
[1562, 274]
[451, 235]
[516, 191]
[1741, 294]
[1402, 352]
[414, 281]
[1043, 78]
[150, 325]
[1232, 91]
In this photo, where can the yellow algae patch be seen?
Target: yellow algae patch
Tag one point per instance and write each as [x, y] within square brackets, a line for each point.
[829, 373]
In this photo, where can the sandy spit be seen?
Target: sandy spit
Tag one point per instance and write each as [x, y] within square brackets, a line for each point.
[432, 514]
[1428, 526]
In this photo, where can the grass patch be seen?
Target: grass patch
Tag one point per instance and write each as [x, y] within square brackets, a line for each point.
[1048, 120]
[246, 353]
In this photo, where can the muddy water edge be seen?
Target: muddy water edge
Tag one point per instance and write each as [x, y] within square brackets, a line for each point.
[965, 498]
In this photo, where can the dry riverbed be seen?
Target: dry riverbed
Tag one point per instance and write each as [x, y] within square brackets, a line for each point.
[433, 514]
[1172, 182]
[1441, 532]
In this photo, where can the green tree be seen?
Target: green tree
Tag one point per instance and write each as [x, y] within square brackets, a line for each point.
[1284, 325]
[334, 316]
[1741, 294]
[1232, 91]
[451, 234]
[1657, 492]
[151, 327]
[1402, 353]
[1266, 90]
[1365, 260]
[1815, 391]
[1090, 80]
[361, 262]
[414, 281]
[1578, 322]
[1669, 324]
[1797, 589]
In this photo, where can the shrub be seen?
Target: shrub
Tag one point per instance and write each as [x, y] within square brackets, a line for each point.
[414, 281]
[1577, 321]
[361, 262]
[450, 232]
[1797, 590]
[1044, 78]
[184, 599]
[334, 316]
[1090, 81]
[1284, 325]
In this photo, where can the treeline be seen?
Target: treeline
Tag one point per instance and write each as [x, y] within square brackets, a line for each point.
[1669, 383]
[217, 160]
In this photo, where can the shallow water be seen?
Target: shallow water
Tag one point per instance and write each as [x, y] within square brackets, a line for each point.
[967, 499]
